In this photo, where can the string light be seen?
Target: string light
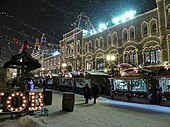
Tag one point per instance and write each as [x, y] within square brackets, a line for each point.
[8, 28]
[28, 26]
[58, 9]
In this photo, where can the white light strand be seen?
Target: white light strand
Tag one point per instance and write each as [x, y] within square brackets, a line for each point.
[22, 34]
[58, 9]
[20, 21]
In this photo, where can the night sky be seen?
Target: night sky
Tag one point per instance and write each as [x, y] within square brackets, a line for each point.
[28, 19]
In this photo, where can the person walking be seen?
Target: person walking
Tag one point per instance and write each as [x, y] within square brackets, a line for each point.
[95, 90]
[87, 93]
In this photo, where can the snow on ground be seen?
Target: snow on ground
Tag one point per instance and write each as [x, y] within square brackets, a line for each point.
[106, 113]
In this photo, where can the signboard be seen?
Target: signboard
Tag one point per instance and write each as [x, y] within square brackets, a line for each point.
[18, 101]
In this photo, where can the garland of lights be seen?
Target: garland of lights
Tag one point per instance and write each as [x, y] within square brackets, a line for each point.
[58, 9]
[20, 21]
[8, 28]
[17, 42]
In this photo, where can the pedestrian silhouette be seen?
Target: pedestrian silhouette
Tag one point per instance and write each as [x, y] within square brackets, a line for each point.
[87, 93]
[95, 90]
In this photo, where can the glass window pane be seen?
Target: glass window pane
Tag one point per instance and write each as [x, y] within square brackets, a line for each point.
[154, 28]
[135, 58]
[121, 85]
[131, 59]
[139, 85]
[158, 56]
[147, 57]
[145, 30]
[126, 58]
[152, 57]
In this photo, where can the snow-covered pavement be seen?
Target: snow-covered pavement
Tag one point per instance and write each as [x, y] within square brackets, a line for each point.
[106, 113]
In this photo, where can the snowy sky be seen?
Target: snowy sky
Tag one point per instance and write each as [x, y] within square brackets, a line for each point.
[55, 17]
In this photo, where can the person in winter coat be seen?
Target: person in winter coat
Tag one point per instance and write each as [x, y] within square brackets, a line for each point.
[87, 93]
[95, 91]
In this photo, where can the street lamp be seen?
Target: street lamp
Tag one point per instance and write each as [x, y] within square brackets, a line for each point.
[111, 59]
[64, 64]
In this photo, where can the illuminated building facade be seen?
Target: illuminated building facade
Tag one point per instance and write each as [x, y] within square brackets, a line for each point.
[142, 40]
[49, 60]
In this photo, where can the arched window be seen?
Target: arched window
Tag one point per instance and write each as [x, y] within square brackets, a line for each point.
[70, 52]
[124, 35]
[97, 43]
[90, 46]
[115, 38]
[78, 46]
[109, 40]
[101, 43]
[152, 56]
[144, 29]
[72, 48]
[89, 65]
[153, 26]
[67, 51]
[99, 64]
[132, 32]
[131, 57]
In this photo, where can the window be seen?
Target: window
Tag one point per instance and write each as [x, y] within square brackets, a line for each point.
[165, 84]
[125, 36]
[109, 40]
[126, 58]
[89, 66]
[99, 64]
[90, 46]
[139, 85]
[120, 84]
[154, 28]
[67, 51]
[145, 30]
[152, 53]
[131, 58]
[101, 42]
[147, 57]
[158, 53]
[96, 43]
[115, 37]
[152, 56]
[132, 34]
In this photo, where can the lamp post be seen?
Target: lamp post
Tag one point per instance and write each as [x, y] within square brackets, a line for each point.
[64, 65]
[111, 59]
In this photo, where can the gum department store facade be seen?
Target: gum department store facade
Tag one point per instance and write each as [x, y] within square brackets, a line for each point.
[143, 40]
